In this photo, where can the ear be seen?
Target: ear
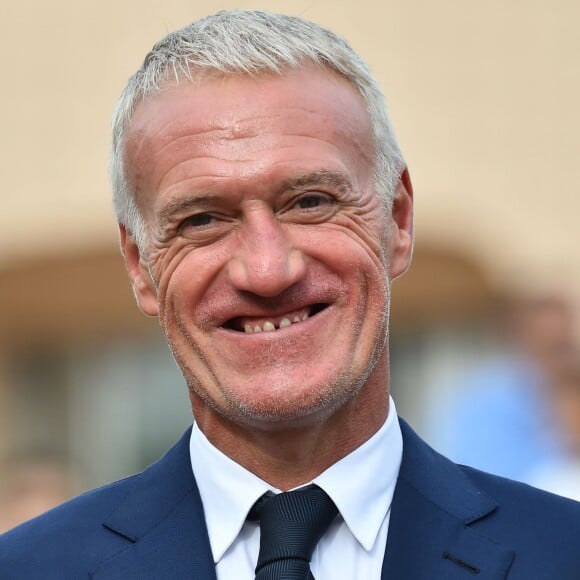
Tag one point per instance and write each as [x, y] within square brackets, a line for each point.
[143, 287]
[402, 226]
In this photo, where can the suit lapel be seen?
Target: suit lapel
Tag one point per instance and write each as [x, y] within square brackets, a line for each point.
[162, 519]
[432, 530]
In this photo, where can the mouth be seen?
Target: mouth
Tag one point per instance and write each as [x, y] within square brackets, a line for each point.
[255, 324]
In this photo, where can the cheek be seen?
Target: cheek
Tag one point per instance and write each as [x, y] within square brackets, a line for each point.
[187, 279]
[374, 240]
[355, 253]
[168, 267]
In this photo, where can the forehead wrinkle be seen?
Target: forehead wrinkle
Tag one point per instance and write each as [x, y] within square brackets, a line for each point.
[253, 122]
[175, 167]
[228, 129]
[225, 134]
[181, 147]
[199, 134]
[231, 129]
[217, 175]
[323, 176]
[140, 141]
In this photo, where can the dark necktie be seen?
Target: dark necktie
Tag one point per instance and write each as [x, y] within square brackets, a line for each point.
[291, 524]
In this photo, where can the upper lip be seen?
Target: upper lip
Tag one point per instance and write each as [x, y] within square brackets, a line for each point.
[238, 322]
[269, 308]
[266, 313]
[226, 304]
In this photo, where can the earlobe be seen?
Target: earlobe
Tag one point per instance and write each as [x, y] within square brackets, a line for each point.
[402, 226]
[143, 287]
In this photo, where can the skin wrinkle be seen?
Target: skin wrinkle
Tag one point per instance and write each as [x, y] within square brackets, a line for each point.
[180, 166]
[358, 213]
[371, 253]
[249, 413]
[158, 81]
[241, 161]
[142, 139]
[227, 136]
[248, 304]
[316, 394]
[293, 185]
[194, 201]
[329, 224]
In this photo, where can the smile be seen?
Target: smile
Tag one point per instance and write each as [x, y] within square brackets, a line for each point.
[252, 324]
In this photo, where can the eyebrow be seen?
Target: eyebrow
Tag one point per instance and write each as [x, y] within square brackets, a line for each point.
[320, 177]
[294, 184]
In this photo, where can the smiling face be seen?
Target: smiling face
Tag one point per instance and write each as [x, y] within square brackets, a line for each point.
[270, 254]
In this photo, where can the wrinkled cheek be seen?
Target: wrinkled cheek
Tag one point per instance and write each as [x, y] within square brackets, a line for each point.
[172, 295]
[187, 352]
[167, 271]
[375, 314]
[175, 317]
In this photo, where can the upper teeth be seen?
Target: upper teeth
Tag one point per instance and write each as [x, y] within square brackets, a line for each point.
[269, 325]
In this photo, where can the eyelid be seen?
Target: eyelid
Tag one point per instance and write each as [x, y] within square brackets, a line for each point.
[186, 221]
[218, 226]
[323, 196]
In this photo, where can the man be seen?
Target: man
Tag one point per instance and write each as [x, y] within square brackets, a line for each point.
[264, 211]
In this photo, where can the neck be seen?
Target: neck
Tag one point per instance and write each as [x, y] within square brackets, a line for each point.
[291, 456]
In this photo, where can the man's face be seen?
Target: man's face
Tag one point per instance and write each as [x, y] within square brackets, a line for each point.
[270, 254]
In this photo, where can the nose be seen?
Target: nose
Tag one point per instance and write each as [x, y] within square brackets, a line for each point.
[265, 261]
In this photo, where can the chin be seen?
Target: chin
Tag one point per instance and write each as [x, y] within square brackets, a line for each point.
[286, 404]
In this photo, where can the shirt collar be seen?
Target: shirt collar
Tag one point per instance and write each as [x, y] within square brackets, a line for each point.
[228, 490]
[364, 501]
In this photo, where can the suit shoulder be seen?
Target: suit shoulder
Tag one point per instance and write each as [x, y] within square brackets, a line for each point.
[53, 542]
[539, 529]
[74, 539]
[533, 522]
[524, 496]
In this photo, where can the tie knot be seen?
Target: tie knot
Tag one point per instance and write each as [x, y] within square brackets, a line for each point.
[291, 524]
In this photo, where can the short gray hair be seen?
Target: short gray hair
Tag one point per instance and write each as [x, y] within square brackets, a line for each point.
[247, 42]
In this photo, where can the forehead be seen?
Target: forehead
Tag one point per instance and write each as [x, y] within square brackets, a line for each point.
[237, 117]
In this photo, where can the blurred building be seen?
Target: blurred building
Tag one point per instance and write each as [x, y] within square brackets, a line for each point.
[484, 99]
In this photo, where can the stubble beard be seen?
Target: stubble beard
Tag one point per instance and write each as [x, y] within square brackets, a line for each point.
[334, 393]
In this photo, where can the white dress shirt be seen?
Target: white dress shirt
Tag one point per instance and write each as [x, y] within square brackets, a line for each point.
[361, 485]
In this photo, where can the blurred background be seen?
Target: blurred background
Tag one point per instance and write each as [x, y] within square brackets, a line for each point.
[484, 98]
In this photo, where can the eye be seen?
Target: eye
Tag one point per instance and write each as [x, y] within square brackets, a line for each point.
[313, 200]
[196, 221]
[205, 227]
[312, 207]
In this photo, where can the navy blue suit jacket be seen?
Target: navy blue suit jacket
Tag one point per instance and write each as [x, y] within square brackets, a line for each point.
[447, 523]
